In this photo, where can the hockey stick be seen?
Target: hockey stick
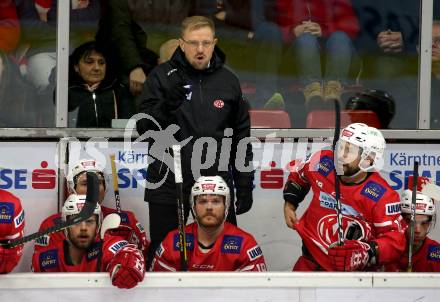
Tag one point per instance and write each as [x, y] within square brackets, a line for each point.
[413, 216]
[180, 208]
[86, 212]
[115, 184]
[335, 159]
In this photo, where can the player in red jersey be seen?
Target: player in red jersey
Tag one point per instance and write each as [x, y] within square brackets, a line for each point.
[130, 228]
[84, 250]
[371, 219]
[426, 252]
[212, 243]
[11, 227]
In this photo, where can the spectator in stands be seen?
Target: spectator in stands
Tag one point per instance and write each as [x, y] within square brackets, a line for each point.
[312, 26]
[9, 26]
[435, 84]
[121, 33]
[167, 50]
[95, 97]
[17, 99]
[40, 34]
[84, 249]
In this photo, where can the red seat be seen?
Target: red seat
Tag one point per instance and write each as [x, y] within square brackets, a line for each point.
[326, 118]
[261, 118]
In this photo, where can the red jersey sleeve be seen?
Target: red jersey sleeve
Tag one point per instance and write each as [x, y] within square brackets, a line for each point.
[388, 229]
[252, 257]
[166, 258]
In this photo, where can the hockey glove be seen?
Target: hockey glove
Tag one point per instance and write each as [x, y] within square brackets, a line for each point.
[132, 236]
[352, 256]
[244, 201]
[127, 268]
[9, 258]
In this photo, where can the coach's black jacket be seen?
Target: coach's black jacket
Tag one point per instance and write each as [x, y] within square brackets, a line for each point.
[214, 103]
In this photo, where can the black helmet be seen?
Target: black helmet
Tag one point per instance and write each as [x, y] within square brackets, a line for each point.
[380, 102]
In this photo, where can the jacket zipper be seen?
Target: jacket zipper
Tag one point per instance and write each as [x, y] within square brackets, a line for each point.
[96, 109]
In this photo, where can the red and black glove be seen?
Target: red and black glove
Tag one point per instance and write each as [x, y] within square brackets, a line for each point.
[127, 268]
[9, 258]
[354, 255]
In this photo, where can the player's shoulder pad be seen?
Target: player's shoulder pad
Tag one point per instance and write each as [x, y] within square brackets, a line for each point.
[48, 260]
[377, 189]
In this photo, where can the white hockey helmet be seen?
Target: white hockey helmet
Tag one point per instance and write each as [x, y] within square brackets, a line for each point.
[84, 165]
[211, 185]
[424, 204]
[370, 140]
[73, 205]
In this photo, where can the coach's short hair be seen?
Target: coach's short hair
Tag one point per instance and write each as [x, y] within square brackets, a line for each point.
[196, 22]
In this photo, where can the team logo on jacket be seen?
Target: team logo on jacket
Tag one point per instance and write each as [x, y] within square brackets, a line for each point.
[6, 212]
[49, 260]
[373, 191]
[393, 208]
[325, 166]
[254, 253]
[94, 251]
[219, 104]
[231, 244]
[189, 241]
[434, 253]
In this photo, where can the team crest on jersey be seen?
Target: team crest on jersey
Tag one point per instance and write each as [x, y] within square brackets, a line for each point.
[43, 241]
[19, 219]
[254, 253]
[6, 212]
[115, 247]
[231, 244]
[434, 253]
[189, 241]
[160, 250]
[94, 251]
[325, 166]
[373, 191]
[49, 260]
[393, 208]
[124, 218]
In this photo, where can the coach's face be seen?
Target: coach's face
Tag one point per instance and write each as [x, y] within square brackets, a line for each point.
[198, 46]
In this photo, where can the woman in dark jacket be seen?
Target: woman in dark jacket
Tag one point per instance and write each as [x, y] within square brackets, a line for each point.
[95, 97]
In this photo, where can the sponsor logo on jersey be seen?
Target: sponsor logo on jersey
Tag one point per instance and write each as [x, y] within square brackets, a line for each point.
[160, 250]
[327, 201]
[373, 191]
[189, 241]
[124, 218]
[140, 227]
[115, 247]
[254, 253]
[203, 267]
[49, 260]
[6, 212]
[19, 219]
[231, 244]
[434, 253]
[325, 166]
[43, 241]
[94, 251]
[219, 104]
[393, 208]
